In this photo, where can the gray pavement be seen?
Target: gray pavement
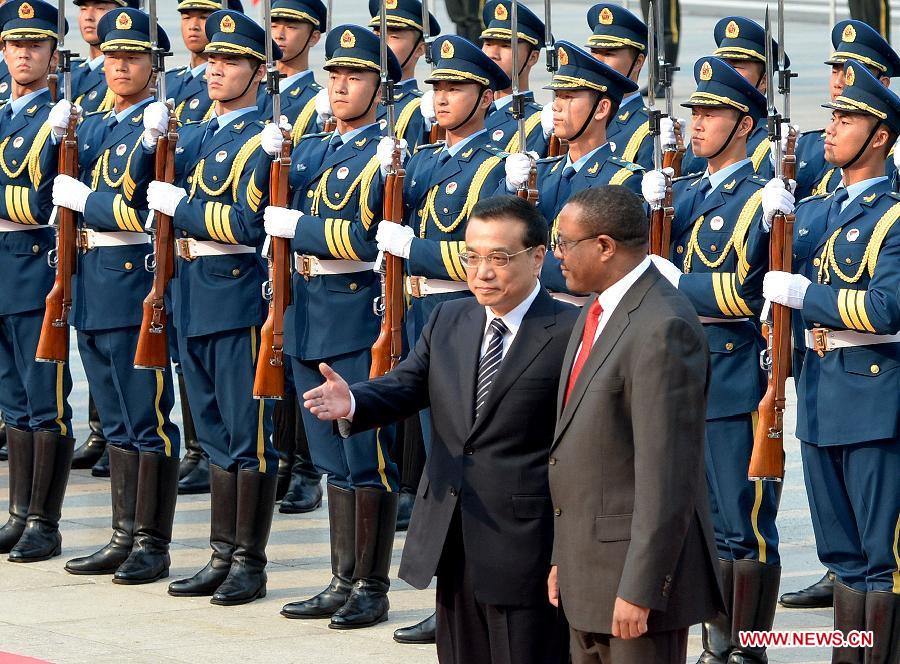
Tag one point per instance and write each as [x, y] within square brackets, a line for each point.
[46, 613]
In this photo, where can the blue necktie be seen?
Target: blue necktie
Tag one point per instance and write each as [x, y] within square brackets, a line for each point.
[211, 128]
[837, 200]
[565, 185]
[444, 157]
[490, 363]
[333, 144]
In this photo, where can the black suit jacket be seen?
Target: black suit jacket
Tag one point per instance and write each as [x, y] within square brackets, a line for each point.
[494, 469]
[627, 473]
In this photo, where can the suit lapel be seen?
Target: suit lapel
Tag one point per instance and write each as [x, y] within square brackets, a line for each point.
[529, 342]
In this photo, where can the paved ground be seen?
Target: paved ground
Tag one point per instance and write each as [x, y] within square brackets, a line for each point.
[49, 614]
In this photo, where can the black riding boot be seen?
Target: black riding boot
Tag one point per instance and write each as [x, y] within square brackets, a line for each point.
[883, 620]
[21, 471]
[716, 633]
[755, 596]
[304, 492]
[849, 616]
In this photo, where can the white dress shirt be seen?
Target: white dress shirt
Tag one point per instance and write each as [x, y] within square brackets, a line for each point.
[612, 296]
[512, 320]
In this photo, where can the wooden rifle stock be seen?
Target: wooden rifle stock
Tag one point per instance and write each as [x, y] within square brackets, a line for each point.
[530, 191]
[437, 133]
[557, 147]
[269, 380]
[767, 459]
[388, 346]
[53, 345]
[661, 225]
[330, 124]
[152, 350]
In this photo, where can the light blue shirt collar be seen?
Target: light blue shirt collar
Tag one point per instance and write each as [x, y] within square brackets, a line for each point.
[228, 118]
[96, 62]
[858, 188]
[453, 151]
[198, 70]
[629, 99]
[503, 102]
[16, 105]
[350, 135]
[719, 177]
[293, 79]
[578, 165]
[122, 116]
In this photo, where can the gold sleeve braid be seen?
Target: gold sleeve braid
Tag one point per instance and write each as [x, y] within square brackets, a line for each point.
[759, 154]
[481, 175]
[634, 143]
[17, 205]
[126, 216]
[450, 251]
[828, 261]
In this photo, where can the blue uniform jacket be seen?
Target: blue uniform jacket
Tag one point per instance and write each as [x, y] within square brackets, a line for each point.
[850, 395]
[297, 104]
[89, 88]
[5, 80]
[502, 128]
[410, 123]
[629, 134]
[192, 102]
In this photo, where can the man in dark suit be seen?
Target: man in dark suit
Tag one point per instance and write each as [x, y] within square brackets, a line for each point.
[633, 557]
[488, 367]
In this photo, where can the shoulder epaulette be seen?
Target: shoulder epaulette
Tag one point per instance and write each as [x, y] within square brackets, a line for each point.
[318, 134]
[758, 180]
[429, 146]
[812, 131]
[630, 165]
[689, 176]
[494, 151]
[551, 160]
[814, 197]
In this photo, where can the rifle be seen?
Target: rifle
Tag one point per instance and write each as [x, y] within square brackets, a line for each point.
[673, 154]
[557, 145]
[662, 213]
[269, 380]
[436, 133]
[53, 344]
[152, 350]
[389, 305]
[767, 458]
[529, 190]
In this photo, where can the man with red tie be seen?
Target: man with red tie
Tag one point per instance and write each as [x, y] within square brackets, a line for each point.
[633, 555]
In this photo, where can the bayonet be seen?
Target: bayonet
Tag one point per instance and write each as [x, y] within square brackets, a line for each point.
[774, 119]
[518, 100]
[654, 114]
[427, 37]
[157, 54]
[387, 85]
[549, 42]
[273, 76]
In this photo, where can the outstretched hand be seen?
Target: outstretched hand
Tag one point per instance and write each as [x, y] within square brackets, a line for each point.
[331, 399]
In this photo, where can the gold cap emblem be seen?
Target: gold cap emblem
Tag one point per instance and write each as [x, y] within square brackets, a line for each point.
[706, 71]
[227, 24]
[348, 39]
[446, 49]
[123, 22]
[563, 56]
[390, 4]
[26, 11]
[849, 34]
[850, 76]
[732, 31]
[500, 12]
[606, 16]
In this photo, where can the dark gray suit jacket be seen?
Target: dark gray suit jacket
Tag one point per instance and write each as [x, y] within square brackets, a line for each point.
[626, 468]
[493, 469]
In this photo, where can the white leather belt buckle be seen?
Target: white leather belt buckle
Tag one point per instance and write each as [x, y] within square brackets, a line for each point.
[313, 266]
[89, 239]
[822, 340]
[7, 226]
[188, 248]
[423, 286]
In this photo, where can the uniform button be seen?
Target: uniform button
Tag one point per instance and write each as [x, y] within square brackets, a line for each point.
[552, 461]
[35, 248]
[190, 179]
[453, 492]
[15, 162]
[874, 368]
[557, 511]
[236, 272]
[128, 265]
[848, 260]
[337, 194]
[183, 233]
[354, 286]
[215, 178]
[817, 262]
[679, 249]
[729, 346]
[712, 247]
[309, 194]
[115, 170]
[468, 449]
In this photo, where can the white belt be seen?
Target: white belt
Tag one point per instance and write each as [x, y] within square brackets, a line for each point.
[313, 266]
[89, 239]
[709, 320]
[822, 340]
[7, 226]
[577, 300]
[423, 286]
[189, 248]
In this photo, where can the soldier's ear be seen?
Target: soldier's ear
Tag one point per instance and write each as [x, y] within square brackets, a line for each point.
[487, 98]
[313, 39]
[604, 109]
[639, 61]
[885, 81]
[533, 56]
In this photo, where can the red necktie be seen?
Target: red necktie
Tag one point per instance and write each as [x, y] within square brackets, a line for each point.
[587, 341]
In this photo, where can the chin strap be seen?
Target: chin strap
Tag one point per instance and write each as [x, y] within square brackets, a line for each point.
[863, 147]
[369, 106]
[588, 120]
[246, 88]
[472, 112]
[727, 140]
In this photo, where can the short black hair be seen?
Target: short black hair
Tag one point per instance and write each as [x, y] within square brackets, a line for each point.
[613, 210]
[512, 207]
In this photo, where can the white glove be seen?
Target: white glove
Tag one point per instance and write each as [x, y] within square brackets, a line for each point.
[785, 288]
[272, 136]
[653, 186]
[281, 222]
[156, 123]
[667, 130]
[776, 198]
[897, 154]
[518, 167]
[164, 197]
[70, 193]
[427, 108]
[668, 269]
[547, 120]
[394, 238]
[323, 106]
[385, 153]
[785, 130]
[59, 117]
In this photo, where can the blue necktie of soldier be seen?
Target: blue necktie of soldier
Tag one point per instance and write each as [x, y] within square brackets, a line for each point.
[211, 128]
[490, 363]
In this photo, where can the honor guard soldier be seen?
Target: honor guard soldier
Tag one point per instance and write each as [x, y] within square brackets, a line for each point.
[34, 397]
[721, 254]
[406, 38]
[297, 26]
[110, 284]
[846, 321]
[88, 82]
[187, 86]
[587, 92]
[443, 182]
[218, 305]
[338, 190]
[856, 40]
[619, 39]
[501, 126]
[742, 44]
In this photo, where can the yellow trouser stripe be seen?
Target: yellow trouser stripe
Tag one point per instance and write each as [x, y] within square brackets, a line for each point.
[261, 437]
[60, 401]
[160, 420]
[381, 461]
[896, 574]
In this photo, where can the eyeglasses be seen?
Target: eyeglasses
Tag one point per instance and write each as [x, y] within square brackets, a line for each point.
[496, 258]
[565, 245]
